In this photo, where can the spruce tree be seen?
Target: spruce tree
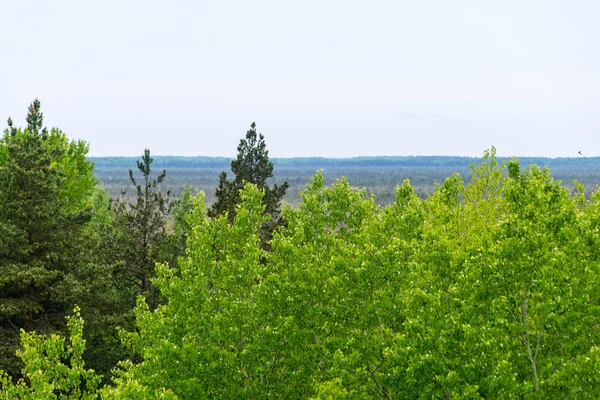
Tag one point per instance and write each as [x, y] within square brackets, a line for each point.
[252, 165]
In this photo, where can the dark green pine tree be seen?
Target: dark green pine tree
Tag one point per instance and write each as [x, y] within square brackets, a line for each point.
[37, 237]
[131, 234]
[251, 165]
[35, 118]
[144, 234]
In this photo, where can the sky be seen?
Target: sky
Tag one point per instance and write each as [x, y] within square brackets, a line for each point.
[319, 78]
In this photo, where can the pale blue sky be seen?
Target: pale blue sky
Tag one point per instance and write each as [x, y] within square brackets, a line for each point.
[320, 78]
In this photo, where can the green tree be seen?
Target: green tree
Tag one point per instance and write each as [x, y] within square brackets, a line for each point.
[53, 368]
[179, 225]
[499, 301]
[252, 165]
[105, 300]
[128, 236]
[301, 320]
[484, 290]
[142, 228]
[210, 307]
[45, 190]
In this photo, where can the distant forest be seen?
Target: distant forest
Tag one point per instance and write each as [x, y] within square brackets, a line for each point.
[379, 175]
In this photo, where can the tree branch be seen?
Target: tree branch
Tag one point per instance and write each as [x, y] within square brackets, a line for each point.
[372, 373]
[524, 308]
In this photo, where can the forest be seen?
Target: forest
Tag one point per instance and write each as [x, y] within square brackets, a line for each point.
[378, 175]
[485, 285]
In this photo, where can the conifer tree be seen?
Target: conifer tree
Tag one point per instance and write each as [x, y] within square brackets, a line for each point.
[131, 234]
[35, 118]
[252, 165]
[39, 231]
[143, 226]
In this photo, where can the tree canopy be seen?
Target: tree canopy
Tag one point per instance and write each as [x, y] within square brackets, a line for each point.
[485, 289]
[252, 165]
[46, 185]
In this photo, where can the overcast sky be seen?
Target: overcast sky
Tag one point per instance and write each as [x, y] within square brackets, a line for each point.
[320, 78]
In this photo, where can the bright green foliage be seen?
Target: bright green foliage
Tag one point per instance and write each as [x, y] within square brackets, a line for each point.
[45, 190]
[77, 173]
[547, 293]
[483, 290]
[434, 356]
[334, 275]
[126, 386]
[331, 390]
[53, 368]
[252, 165]
[210, 314]
[236, 328]
[179, 226]
[503, 298]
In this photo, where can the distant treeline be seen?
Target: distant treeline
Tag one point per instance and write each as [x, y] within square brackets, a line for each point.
[359, 162]
[378, 175]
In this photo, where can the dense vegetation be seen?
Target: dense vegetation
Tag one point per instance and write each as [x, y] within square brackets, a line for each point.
[485, 289]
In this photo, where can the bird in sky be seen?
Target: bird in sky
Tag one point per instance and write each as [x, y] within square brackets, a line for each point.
[580, 153]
